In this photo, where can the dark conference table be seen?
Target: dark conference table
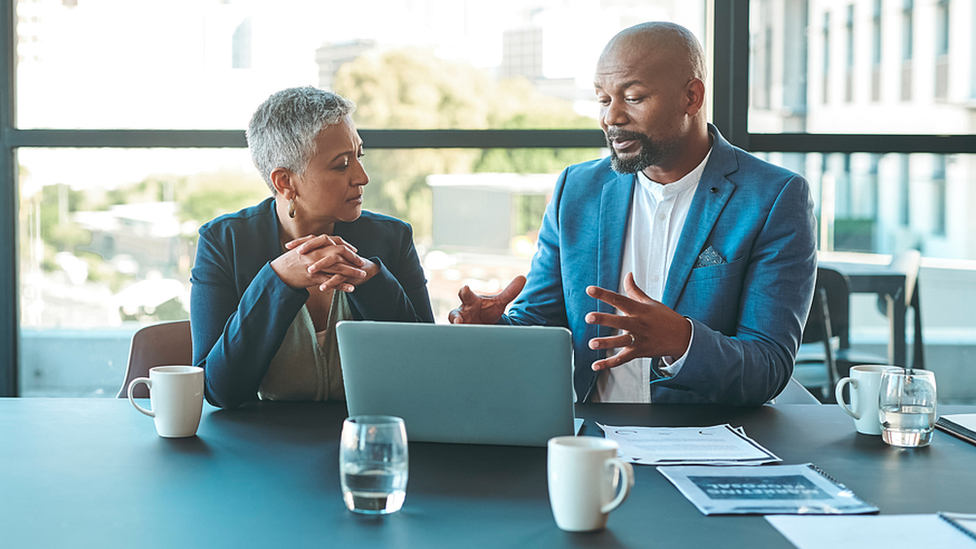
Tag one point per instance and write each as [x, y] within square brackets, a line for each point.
[93, 473]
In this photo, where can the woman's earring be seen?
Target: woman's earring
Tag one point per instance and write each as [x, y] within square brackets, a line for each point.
[291, 208]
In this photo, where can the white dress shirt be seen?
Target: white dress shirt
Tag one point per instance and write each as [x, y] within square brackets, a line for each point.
[657, 215]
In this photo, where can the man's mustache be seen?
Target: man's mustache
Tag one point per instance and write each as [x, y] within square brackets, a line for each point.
[624, 135]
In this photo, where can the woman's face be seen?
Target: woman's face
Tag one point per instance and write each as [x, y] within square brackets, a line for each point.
[331, 189]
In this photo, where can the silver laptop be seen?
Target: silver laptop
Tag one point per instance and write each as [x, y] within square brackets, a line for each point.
[461, 383]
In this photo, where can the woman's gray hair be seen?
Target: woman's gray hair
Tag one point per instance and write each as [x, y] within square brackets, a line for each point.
[282, 131]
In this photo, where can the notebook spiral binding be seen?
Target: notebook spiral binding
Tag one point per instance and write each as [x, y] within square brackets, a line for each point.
[824, 474]
[957, 526]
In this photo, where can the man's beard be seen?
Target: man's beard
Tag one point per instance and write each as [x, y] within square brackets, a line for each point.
[651, 153]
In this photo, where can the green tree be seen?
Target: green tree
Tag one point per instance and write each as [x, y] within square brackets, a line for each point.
[413, 89]
[57, 204]
[202, 197]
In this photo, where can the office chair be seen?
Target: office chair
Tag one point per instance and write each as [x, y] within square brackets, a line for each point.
[794, 393]
[909, 263]
[156, 345]
[829, 320]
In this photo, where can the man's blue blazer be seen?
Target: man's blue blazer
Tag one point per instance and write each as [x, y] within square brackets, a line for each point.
[748, 311]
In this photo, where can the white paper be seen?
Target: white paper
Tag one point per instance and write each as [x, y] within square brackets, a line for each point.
[859, 532]
[776, 489]
[717, 445]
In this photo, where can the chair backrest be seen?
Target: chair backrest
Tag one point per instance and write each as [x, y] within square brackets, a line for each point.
[156, 345]
[794, 393]
[908, 262]
[837, 288]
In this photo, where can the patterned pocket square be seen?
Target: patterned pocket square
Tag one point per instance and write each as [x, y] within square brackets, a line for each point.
[709, 258]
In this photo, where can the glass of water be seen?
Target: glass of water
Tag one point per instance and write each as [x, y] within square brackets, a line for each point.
[373, 464]
[907, 407]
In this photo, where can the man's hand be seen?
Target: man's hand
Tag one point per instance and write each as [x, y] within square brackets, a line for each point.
[648, 328]
[485, 309]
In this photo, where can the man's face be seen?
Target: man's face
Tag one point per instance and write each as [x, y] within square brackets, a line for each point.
[641, 109]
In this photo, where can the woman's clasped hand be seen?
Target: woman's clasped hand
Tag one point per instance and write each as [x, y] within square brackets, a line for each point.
[326, 261]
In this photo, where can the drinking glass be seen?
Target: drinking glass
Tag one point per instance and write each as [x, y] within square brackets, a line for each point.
[373, 464]
[907, 407]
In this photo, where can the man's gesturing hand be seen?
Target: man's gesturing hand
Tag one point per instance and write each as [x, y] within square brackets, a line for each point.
[485, 309]
[647, 327]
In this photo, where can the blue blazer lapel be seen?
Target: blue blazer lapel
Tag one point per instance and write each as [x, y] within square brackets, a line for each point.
[711, 196]
[615, 203]
[270, 245]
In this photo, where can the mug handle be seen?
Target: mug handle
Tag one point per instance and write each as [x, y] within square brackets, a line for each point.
[132, 386]
[839, 395]
[626, 472]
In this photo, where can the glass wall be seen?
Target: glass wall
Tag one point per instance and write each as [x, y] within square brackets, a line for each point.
[883, 76]
[863, 66]
[107, 236]
[102, 256]
[205, 64]
[876, 69]
[887, 203]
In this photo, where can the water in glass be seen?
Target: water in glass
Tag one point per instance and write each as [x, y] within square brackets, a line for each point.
[907, 407]
[907, 425]
[378, 488]
[373, 464]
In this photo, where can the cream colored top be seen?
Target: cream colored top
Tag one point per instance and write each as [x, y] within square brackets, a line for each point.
[306, 366]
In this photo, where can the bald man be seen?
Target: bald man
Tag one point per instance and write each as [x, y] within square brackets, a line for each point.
[683, 266]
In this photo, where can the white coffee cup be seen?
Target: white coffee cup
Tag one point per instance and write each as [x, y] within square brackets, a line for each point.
[176, 397]
[865, 382]
[586, 481]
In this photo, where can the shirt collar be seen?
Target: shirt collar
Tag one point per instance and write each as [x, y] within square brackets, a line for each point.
[671, 190]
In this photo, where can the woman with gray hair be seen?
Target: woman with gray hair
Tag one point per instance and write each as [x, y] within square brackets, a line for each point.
[271, 281]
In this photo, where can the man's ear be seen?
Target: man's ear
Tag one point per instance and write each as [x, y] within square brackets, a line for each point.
[283, 181]
[695, 95]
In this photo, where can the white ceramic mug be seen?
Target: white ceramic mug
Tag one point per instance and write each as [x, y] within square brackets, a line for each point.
[865, 382]
[586, 481]
[176, 397]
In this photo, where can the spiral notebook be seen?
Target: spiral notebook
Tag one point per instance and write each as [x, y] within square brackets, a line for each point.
[765, 490]
[959, 425]
[964, 523]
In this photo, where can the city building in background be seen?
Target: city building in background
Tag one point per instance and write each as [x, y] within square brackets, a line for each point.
[876, 67]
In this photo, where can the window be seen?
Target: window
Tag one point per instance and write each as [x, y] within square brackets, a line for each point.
[849, 64]
[876, 52]
[825, 74]
[107, 235]
[907, 46]
[901, 95]
[938, 196]
[167, 111]
[942, 50]
[904, 190]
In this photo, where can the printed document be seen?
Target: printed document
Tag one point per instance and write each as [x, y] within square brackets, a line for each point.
[718, 445]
